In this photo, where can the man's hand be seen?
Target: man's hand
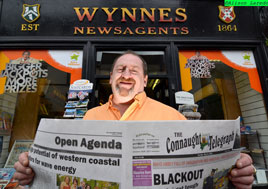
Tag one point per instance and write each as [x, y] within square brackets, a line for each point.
[24, 174]
[242, 176]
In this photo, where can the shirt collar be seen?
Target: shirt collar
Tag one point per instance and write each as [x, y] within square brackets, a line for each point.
[139, 99]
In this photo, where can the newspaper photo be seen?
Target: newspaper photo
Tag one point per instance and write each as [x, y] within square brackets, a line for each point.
[134, 154]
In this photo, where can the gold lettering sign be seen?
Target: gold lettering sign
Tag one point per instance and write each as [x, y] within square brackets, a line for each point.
[87, 14]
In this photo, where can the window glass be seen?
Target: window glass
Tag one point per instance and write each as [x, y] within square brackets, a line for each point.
[34, 85]
[225, 84]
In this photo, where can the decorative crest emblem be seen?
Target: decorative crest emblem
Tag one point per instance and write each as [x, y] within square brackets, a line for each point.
[226, 14]
[30, 12]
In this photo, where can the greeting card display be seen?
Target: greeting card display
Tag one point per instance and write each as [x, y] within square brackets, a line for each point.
[78, 99]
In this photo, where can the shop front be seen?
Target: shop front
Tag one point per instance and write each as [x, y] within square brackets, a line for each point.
[215, 53]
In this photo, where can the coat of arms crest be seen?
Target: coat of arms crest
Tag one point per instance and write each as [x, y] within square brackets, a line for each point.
[226, 14]
[30, 12]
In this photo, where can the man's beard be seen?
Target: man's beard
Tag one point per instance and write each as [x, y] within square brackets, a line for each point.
[123, 91]
[123, 94]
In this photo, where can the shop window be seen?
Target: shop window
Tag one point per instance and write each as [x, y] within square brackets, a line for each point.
[34, 85]
[225, 84]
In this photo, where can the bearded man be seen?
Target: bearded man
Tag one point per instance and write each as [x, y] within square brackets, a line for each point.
[128, 102]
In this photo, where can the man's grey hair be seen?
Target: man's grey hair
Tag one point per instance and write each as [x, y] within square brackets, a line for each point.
[144, 64]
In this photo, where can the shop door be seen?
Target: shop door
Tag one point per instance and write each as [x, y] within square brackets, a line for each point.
[157, 86]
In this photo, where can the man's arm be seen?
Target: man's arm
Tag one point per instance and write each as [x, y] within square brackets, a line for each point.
[242, 176]
[24, 174]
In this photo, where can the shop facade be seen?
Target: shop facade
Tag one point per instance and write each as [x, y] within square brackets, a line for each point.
[216, 53]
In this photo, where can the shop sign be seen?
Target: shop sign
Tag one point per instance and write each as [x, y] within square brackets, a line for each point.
[82, 85]
[182, 97]
[67, 58]
[243, 59]
[17, 64]
[239, 60]
[19, 75]
[137, 16]
[23, 77]
[126, 19]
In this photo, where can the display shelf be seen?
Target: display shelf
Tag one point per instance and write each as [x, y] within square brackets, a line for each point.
[260, 179]
[4, 132]
[258, 150]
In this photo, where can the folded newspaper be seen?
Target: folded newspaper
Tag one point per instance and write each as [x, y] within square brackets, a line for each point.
[134, 154]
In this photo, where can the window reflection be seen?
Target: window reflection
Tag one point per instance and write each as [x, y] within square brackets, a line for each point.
[218, 81]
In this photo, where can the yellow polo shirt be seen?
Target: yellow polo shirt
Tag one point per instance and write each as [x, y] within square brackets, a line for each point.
[143, 108]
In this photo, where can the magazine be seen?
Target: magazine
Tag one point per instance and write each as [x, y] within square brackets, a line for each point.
[18, 147]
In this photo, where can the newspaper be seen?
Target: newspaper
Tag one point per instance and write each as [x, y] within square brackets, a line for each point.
[134, 154]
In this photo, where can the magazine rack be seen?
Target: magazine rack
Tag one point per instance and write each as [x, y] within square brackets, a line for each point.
[4, 144]
[260, 151]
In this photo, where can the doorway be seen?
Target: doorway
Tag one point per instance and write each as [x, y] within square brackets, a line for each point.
[157, 86]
